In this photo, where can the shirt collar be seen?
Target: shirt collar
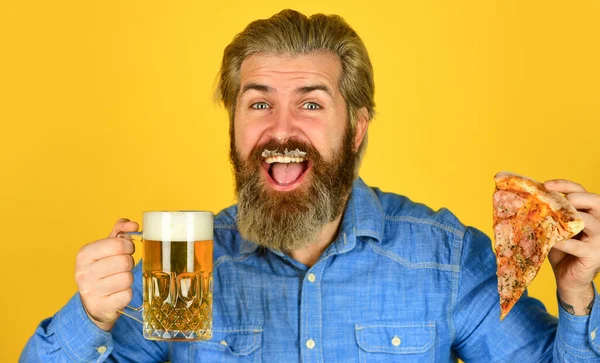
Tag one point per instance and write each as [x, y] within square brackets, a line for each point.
[246, 246]
[368, 211]
[363, 217]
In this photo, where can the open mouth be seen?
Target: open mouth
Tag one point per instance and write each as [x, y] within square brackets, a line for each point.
[286, 172]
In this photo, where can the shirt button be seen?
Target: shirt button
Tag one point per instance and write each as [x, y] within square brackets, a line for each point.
[396, 341]
[310, 344]
[222, 342]
[101, 349]
[312, 277]
[593, 334]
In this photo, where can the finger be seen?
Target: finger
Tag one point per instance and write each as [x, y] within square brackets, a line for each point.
[104, 248]
[591, 224]
[564, 186]
[555, 256]
[111, 284]
[124, 225]
[119, 299]
[574, 247]
[588, 201]
[112, 265]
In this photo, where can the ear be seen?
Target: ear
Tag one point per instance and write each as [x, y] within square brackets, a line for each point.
[362, 124]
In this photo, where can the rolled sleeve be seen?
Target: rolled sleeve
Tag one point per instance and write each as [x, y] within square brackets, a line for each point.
[70, 336]
[578, 337]
[81, 339]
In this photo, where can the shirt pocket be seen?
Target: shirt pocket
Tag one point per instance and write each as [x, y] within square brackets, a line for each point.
[406, 342]
[230, 346]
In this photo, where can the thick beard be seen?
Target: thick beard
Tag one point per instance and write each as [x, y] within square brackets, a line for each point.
[292, 220]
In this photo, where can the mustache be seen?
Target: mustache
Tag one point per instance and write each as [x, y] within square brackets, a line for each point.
[276, 146]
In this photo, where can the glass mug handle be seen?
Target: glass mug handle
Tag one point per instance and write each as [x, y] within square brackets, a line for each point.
[133, 236]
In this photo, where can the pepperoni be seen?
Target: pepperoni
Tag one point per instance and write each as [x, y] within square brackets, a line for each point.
[527, 242]
[506, 204]
[504, 235]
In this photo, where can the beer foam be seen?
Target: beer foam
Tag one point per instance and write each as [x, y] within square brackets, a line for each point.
[181, 226]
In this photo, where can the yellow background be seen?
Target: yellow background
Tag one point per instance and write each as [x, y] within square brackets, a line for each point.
[107, 111]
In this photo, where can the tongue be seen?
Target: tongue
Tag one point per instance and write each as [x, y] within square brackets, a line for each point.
[286, 173]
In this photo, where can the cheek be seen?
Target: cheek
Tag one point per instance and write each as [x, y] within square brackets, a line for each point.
[247, 136]
[324, 139]
[328, 134]
[334, 129]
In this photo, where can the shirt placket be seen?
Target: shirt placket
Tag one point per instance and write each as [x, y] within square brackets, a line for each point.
[311, 314]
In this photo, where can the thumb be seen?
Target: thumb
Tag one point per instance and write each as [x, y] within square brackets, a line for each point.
[124, 225]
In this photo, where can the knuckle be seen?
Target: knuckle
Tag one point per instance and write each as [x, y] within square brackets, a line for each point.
[79, 277]
[81, 251]
[82, 254]
[82, 275]
[85, 292]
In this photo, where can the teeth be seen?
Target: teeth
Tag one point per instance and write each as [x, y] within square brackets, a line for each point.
[294, 153]
[283, 159]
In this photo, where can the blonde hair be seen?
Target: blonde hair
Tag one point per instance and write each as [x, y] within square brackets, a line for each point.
[292, 33]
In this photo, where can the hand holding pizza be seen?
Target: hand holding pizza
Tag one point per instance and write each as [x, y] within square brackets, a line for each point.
[576, 261]
[529, 219]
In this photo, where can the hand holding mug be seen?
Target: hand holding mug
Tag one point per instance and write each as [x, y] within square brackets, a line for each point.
[103, 275]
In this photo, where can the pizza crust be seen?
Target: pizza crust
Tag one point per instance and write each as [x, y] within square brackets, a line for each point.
[557, 202]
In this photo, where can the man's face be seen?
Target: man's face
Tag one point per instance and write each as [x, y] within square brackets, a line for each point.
[292, 148]
[284, 98]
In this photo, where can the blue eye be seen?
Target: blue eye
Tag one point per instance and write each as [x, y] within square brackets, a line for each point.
[260, 106]
[311, 106]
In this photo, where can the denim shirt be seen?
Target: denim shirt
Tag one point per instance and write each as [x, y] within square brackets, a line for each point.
[399, 283]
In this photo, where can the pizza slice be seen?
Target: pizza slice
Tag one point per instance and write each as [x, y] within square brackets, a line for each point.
[528, 221]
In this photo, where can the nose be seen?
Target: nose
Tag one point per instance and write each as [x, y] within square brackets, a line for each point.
[282, 125]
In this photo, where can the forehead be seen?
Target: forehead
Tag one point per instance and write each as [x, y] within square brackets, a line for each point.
[322, 67]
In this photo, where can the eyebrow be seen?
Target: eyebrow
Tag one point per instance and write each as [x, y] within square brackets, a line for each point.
[316, 87]
[303, 90]
[256, 86]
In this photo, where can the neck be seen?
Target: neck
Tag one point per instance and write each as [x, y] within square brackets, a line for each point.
[310, 255]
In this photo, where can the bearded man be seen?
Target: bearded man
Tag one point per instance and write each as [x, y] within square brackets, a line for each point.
[313, 265]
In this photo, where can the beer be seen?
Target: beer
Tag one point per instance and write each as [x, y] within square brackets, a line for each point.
[177, 275]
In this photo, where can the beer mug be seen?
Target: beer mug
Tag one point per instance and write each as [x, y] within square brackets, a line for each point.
[177, 263]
